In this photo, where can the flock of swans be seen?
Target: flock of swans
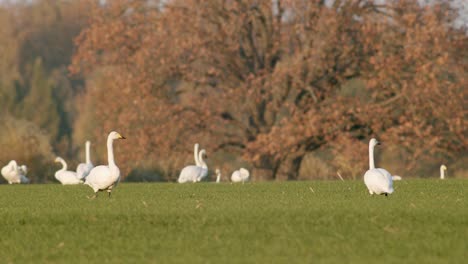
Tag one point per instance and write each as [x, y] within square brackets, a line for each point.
[106, 177]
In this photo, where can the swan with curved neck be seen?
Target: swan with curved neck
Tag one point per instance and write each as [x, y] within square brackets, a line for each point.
[377, 180]
[11, 172]
[443, 168]
[64, 176]
[241, 175]
[194, 173]
[203, 166]
[105, 177]
[83, 169]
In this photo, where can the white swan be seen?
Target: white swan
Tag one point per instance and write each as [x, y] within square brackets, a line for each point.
[240, 175]
[218, 176]
[377, 180]
[11, 172]
[105, 177]
[443, 168]
[83, 169]
[194, 173]
[64, 176]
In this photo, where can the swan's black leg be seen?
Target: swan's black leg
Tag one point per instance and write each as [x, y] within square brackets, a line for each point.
[109, 192]
[386, 194]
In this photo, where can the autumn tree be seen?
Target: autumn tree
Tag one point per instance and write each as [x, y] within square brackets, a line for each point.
[267, 79]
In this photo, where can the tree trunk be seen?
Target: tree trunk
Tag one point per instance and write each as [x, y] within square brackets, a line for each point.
[288, 169]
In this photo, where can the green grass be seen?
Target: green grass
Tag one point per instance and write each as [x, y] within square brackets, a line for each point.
[424, 221]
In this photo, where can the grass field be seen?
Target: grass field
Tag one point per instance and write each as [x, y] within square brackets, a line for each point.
[424, 221]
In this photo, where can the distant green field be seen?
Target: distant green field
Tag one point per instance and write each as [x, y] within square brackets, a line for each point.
[424, 221]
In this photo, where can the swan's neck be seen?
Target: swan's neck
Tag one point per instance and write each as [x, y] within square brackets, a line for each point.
[110, 152]
[442, 173]
[64, 165]
[201, 161]
[371, 157]
[218, 177]
[88, 157]
[195, 155]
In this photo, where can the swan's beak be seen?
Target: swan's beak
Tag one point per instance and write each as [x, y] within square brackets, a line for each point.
[121, 137]
[378, 143]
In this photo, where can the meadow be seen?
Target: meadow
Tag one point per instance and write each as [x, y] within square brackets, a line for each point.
[424, 221]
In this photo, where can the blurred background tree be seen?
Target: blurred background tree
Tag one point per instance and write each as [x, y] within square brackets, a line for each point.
[36, 94]
[289, 89]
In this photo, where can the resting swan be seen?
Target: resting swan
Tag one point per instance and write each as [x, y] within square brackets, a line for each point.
[14, 173]
[83, 169]
[105, 177]
[66, 177]
[240, 175]
[443, 168]
[377, 180]
[194, 173]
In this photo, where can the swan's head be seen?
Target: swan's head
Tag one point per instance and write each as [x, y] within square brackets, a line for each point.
[218, 172]
[203, 153]
[373, 142]
[443, 167]
[88, 143]
[12, 162]
[115, 135]
[58, 159]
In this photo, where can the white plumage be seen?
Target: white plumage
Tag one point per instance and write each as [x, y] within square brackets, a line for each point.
[396, 178]
[194, 173]
[83, 169]
[240, 175]
[377, 180]
[218, 176]
[64, 176]
[105, 177]
[14, 173]
[195, 154]
[443, 168]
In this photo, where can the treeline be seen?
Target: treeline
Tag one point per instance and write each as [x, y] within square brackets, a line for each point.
[37, 95]
[289, 89]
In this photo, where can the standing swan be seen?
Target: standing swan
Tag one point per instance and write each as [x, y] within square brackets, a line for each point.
[378, 181]
[66, 177]
[240, 175]
[194, 173]
[105, 177]
[443, 168]
[83, 169]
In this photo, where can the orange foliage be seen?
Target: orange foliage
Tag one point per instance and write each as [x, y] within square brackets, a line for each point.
[264, 79]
